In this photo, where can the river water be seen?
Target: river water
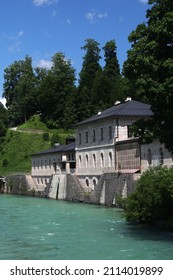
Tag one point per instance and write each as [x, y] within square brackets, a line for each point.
[37, 229]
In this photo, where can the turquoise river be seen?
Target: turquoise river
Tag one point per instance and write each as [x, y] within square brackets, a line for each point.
[44, 229]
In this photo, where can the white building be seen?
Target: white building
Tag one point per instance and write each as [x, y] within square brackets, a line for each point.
[58, 160]
[104, 144]
[105, 159]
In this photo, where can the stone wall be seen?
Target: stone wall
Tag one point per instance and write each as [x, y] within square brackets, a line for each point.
[75, 191]
[16, 184]
[111, 186]
[155, 148]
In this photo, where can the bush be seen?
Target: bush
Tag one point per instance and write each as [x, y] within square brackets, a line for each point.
[56, 138]
[152, 199]
[46, 136]
[5, 162]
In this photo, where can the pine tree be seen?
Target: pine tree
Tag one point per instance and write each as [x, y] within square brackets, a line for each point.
[90, 68]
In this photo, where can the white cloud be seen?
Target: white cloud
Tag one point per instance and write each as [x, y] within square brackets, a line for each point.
[94, 15]
[13, 36]
[3, 101]
[104, 15]
[15, 47]
[68, 21]
[20, 33]
[42, 2]
[90, 16]
[144, 1]
[45, 64]
[14, 41]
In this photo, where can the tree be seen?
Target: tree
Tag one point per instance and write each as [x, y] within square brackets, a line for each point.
[90, 69]
[111, 68]
[56, 91]
[107, 85]
[19, 90]
[152, 200]
[3, 120]
[149, 66]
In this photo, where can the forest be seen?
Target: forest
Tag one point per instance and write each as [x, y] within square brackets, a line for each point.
[61, 100]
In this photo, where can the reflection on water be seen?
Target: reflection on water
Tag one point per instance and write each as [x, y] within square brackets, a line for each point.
[34, 228]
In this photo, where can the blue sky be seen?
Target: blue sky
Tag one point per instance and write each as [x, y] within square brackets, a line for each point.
[40, 28]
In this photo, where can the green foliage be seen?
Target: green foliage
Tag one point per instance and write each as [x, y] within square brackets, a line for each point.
[5, 162]
[16, 151]
[55, 93]
[99, 87]
[149, 66]
[20, 91]
[46, 136]
[3, 120]
[34, 123]
[90, 69]
[152, 199]
[57, 138]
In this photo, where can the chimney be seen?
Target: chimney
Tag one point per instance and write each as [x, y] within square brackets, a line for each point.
[128, 99]
[56, 145]
[117, 102]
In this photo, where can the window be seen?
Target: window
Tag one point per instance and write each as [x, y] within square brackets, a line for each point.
[87, 182]
[94, 135]
[86, 136]
[86, 161]
[80, 161]
[94, 182]
[110, 132]
[149, 157]
[129, 131]
[94, 160]
[102, 160]
[73, 156]
[110, 159]
[161, 156]
[80, 138]
[101, 134]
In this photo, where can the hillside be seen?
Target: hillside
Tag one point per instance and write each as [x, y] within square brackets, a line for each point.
[21, 142]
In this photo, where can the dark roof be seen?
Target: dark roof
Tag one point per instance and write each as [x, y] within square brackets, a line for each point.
[130, 108]
[58, 149]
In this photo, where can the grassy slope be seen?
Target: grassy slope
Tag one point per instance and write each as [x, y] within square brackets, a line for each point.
[18, 146]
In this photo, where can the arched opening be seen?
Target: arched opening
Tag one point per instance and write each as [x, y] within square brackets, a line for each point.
[110, 159]
[86, 161]
[94, 160]
[87, 182]
[102, 160]
[80, 161]
[149, 157]
[161, 156]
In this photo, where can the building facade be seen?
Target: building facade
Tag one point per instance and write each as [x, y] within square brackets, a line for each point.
[105, 159]
[58, 160]
[104, 144]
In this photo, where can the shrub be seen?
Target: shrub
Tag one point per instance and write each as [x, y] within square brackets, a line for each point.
[56, 138]
[152, 199]
[5, 162]
[46, 136]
